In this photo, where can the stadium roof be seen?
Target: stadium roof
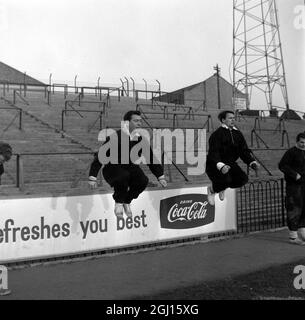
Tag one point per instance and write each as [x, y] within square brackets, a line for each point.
[196, 84]
[11, 75]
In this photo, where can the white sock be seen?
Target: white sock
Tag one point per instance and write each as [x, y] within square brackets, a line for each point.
[293, 234]
[301, 233]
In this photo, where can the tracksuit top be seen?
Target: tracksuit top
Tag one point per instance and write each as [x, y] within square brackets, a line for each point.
[155, 168]
[226, 145]
[293, 163]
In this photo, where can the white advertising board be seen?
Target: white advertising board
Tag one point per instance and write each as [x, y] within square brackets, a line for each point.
[46, 227]
[239, 103]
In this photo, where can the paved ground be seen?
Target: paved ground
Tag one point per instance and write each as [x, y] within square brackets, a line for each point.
[125, 276]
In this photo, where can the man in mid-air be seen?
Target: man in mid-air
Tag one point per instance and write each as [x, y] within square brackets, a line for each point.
[226, 145]
[128, 180]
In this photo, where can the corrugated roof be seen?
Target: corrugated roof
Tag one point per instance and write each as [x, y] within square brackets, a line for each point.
[12, 75]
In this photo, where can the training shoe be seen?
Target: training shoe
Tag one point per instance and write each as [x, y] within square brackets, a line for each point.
[118, 210]
[297, 241]
[127, 210]
[5, 292]
[211, 197]
[221, 195]
[301, 233]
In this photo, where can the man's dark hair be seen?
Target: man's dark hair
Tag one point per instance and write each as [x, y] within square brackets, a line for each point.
[223, 114]
[128, 115]
[300, 136]
[6, 150]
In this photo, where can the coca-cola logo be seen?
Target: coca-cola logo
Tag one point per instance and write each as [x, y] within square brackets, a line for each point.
[186, 211]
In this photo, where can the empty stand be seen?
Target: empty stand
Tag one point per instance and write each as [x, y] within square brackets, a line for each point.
[55, 133]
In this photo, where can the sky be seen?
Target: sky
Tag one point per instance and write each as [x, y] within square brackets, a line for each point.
[177, 42]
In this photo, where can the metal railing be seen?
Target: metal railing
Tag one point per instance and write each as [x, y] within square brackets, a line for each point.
[69, 103]
[100, 117]
[108, 91]
[61, 87]
[19, 113]
[279, 128]
[166, 113]
[20, 172]
[22, 87]
[260, 206]
[261, 163]
[17, 94]
[258, 139]
[152, 94]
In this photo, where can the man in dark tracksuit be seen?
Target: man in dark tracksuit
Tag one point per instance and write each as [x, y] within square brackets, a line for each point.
[5, 155]
[226, 145]
[292, 165]
[128, 180]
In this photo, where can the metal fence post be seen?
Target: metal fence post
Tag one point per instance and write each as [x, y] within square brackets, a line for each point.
[283, 202]
[48, 96]
[127, 86]
[65, 91]
[101, 119]
[62, 120]
[20, 172]
[20, 119]
[133, 87]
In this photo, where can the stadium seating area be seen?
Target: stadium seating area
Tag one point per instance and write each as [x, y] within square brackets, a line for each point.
[55, 134]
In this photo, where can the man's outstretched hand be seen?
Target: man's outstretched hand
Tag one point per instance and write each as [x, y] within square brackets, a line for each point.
[225, 169]
[163, 182]
[254, 165]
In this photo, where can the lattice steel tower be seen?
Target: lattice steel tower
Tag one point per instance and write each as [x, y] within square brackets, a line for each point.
[258, 64]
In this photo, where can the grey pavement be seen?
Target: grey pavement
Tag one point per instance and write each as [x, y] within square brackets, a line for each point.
[124, 276]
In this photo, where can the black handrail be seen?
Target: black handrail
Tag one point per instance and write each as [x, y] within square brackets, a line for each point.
[17, 93]
[71, 106]
[100, 117]
[20, 111]
[61, 85]
[20, 168]
[253, 132]
[261, 163]
[63, 112]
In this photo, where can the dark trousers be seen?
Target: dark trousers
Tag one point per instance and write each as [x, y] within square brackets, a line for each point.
[295, 206]
[128, 181]
[235, 178]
